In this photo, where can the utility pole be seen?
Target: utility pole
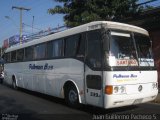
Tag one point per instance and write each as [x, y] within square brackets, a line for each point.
[20, 29]
[32, 24]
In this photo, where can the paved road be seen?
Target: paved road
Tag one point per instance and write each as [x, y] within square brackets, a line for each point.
[22, 104]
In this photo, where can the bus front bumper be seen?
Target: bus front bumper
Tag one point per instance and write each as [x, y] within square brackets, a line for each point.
[113, 101]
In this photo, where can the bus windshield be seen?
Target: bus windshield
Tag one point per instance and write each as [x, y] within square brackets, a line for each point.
[128, 49]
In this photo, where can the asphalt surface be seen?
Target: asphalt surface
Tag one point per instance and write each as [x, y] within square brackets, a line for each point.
[26, 105]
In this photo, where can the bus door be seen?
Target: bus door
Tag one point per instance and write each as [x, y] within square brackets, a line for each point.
[93, 72]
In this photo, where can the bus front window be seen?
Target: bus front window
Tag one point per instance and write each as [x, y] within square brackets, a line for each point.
[122, 51]
[143, 44]
[128, 50]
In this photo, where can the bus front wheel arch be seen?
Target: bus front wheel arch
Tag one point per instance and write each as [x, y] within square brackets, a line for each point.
[71, 94]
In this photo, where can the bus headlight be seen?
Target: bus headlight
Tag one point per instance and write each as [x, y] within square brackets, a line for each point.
[122, 89]
[109, 89]
[119, 90]
[154, 85]
[116, 89]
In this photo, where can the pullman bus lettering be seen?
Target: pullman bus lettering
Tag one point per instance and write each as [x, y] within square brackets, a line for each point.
[40, 67]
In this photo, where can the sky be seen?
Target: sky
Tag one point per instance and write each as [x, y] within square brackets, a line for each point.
[42, 20]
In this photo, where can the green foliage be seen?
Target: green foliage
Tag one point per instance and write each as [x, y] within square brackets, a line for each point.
[79, 12]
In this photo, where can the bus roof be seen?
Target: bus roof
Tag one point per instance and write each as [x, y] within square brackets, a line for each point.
[79, 29]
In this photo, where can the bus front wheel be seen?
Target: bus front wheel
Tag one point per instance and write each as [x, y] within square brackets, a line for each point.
[71, 96]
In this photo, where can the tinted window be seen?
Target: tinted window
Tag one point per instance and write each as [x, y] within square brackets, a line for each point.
[122, 45]
[13, 56]
[81, 47]
[94, 49]
[71, 45]
[94, 82]
[50, 49]
[7, 57]
[144, 46]
[40, 51]
[55, 49]
[20, 55]
[29, 53]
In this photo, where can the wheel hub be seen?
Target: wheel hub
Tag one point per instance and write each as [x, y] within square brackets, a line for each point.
[72, 96]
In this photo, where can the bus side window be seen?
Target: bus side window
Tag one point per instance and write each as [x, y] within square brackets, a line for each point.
[94, 56]
[80, 47]
[55, 48]
[71, 44]
[29, 53]
[20, 55]
[13, 56]
[7, 57]
[40, 51]
[49, 49]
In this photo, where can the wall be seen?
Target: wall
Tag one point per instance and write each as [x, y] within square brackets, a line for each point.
[155, 36]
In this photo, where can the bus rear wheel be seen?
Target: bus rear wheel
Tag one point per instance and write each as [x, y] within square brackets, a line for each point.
[1, 81]
[14, 85]
[71, 96]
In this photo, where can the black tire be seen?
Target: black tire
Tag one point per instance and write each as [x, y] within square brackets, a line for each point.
[14, 85]
[1, 81]
[71, 96]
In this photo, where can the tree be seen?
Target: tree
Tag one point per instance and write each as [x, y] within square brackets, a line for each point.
[79, 12]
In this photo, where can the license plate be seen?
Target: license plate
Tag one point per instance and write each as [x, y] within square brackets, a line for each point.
[137, 101]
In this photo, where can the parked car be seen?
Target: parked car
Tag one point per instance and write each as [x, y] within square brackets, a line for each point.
[1, 77]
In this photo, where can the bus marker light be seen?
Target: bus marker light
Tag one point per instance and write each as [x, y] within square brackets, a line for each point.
[108, 89]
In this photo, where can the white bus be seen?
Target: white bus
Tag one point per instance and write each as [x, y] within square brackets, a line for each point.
[102, 63]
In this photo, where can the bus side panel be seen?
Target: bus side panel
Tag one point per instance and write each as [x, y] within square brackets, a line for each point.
[31, 75]
[64, 70]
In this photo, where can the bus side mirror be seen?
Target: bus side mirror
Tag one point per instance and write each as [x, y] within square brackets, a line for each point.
[80, 56]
